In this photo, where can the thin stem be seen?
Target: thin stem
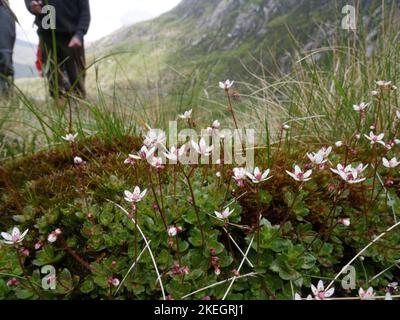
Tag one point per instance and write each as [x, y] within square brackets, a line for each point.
[238, 270]
[148, 248]
[74, 255]
[258, 225]
[28, 279]
[131, 268]
[156, 200]
[160, 188]
[361, 252]
[251, 274]
[375, 170]
[135, 215]
[289, 211]
[196, 209]
[178, 251]
[231, 110]
[237, 246]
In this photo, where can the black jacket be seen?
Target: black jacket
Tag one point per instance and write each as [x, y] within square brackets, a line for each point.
[7, 40]
[72, 16]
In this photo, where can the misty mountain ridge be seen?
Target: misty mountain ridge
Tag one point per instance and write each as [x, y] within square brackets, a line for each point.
[217, 38]
[24, 59]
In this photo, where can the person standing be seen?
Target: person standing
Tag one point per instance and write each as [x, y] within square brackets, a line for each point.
[7, 42]
[67, 66]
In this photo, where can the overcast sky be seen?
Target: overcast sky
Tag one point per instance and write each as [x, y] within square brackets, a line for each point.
[107, 15]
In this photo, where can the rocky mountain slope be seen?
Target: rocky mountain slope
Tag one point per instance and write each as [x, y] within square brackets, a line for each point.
[215, 39]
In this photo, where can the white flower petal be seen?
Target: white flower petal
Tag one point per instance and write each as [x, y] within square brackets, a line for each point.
[329, 293]
[320, 286]
[314, 290]
[6, 236]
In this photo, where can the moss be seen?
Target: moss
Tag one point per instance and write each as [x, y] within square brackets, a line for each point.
[49, 178]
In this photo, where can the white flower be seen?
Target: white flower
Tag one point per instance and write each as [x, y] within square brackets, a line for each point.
[136, 196]
[388, 296]
[360, 107]
[320, 293]
[14, 237]
[216, 124]
[202, 148]
[130, 160]
[70, 137]
[344, 221]
[156, 162]
[186, 115]
[285, 127]
[78, 160]
[375, 138]
[398, 115]
[393, 163]
[226, 85]
[257, 176]
[339, 144]
[393, 285]
[239, 175]
[218, 174]
[175, 154]
[325, 151]
[298, 297]
[360, 168]
[366, 295]
[224, 214]
[113, 282]
[397, 141]
[375, 93]
[300, 175]
[214, 129]
[144, 153]
[384, 84]
[172, 231]
[52, 237]
[350, 174]
[154, 137]
[316, 158]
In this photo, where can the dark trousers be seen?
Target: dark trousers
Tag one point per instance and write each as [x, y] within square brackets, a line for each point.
[7, 40]
[68, 66]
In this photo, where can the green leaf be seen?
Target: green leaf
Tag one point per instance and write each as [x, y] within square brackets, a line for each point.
[265, 197]
[47, 256]
[195, 237]
[24, 294]
[194, 274]
[225, 261]
[190, 217]
[219, 247]
[101, 281]
[280, 244]
[64, 282]
[19, 218]
[3, 289]
[106, 218]
[308, 261]
[87, 286]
